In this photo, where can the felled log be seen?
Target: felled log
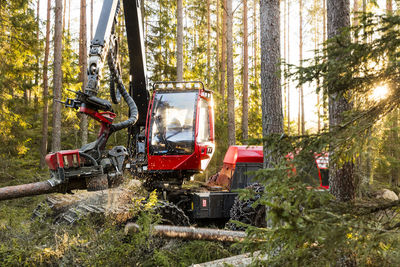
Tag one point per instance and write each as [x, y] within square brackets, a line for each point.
[191, 233]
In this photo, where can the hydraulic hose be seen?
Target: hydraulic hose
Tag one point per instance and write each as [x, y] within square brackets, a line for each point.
[133, 110]
[84, 155]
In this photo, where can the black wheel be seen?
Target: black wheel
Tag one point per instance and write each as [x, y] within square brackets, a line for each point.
[171, 214]
[243, 211]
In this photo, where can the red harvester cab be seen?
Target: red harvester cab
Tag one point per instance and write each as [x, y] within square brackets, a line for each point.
[180, 128]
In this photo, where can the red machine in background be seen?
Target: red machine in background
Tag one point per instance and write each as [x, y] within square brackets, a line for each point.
[240, 160]
[238, 170]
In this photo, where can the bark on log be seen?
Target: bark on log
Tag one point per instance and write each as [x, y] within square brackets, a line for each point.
[192, 233]
[39, 188]
[239, 260]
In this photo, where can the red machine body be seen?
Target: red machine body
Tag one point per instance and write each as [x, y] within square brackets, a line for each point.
[243, 154]
[180, 128]
[241, 159]
[64, 159]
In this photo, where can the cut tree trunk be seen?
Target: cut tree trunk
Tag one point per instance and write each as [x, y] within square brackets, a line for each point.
[191, 233]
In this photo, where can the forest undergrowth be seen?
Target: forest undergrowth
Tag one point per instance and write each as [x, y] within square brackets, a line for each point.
[96, 240]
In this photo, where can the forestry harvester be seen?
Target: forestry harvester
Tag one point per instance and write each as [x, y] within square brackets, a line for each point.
[170, 132]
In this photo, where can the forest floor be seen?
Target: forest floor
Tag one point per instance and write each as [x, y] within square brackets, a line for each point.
[96, 240]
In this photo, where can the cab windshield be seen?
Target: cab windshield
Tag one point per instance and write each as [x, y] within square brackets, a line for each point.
[173, 123]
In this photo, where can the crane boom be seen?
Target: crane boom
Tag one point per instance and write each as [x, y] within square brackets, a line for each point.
[138, 88]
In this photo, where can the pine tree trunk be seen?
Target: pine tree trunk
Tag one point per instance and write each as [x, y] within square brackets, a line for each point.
[395, 117]
[324, 94]
[83, 124]
[91, 19]
[179, 41]
[301, 121]
[37, 71]
[285, 58]
[45, 112]
[288, 61]
[230, 78]
[57, 77]
[356, 9]
[217, 62]
[341, 180]
[69, 16]
[389, 7]
[255, 34]
[395, 150]
[316, 43]
[208, 43]
[64, 10]
[271, 94]
[142, 10]
[245, 99]
[223, 51]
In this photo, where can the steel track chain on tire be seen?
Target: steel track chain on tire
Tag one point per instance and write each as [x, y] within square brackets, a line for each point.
[171, 214]
[243, 211]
